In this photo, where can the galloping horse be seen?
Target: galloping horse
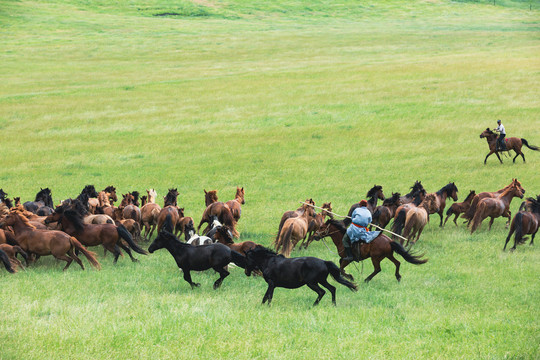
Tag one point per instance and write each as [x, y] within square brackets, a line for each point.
[174, 214]
[171, 198]
[224, 237]
[88, 196]
[512, 143]
[417, 187]
[150, 213]
[469, 214]
[294, 229]
[494, 208]
[401, 211]
[224, 214]
[210, 197]
[525, 223]
[378, 249]
[458, 208]
[374, 194]
[292, 213]
[235, 205]
[384, 213]
[417, 218]
[47, 242]
[43, 203]
[449, 190]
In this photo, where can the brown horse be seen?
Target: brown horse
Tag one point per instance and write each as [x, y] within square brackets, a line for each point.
[171, 199]
[417, 187]
[525, 223]
[108, 235]
[224, 215]
[384, 213]
[314, 224]
[236, 204]
[457, 208]
[294, 229]
[223, 236]
[210, 197]
[469, 214]
[378, 249]
[495, 208]
[12, 251]
[47, 242]
[401, 212]
[292, 213]
[417, 218]
[373, 195]
[449, 190]
[512, 143]
[149, 215]
[171, 211]
[185, 222]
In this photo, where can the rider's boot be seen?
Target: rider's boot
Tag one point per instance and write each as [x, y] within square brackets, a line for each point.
[348, 252]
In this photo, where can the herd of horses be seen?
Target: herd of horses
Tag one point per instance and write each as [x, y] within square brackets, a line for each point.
[38, 228]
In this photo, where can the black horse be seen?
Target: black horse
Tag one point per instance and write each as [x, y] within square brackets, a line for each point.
[292, 273]
[3, 195]
[5, 260]
[171, 198]
[197, 258]
[90, 191]
[42, 205]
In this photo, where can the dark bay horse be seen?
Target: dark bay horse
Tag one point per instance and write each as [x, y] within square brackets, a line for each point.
[384, 213]
[417, 187]
[525, 223]
[512, 143]
[171, 199]
[47, 242]
[43, 203]
[380, 248]
[457, 208]
[374, 194]
[449, 190]
[197, 258]
[236, 204]
[279, 271]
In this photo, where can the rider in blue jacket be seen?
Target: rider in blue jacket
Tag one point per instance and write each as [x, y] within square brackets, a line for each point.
[357, 231]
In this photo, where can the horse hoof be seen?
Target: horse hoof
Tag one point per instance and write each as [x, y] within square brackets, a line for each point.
[135, 260]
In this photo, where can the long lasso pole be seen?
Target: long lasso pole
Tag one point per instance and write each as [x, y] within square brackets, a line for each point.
[348, 217]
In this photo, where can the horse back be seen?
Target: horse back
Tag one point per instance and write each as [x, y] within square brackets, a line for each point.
[292, 273]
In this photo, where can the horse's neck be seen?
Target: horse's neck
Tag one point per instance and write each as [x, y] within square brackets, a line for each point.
[373, 201]
[19, 226]
[337, 238]
[239, 198]
[151, 199]
[507, 198]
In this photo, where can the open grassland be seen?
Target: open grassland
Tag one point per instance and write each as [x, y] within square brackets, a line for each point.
[291, 101]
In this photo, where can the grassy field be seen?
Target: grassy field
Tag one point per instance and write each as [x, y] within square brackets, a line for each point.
[290, 100]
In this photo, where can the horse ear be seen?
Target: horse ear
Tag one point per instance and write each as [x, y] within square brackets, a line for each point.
[205, 191]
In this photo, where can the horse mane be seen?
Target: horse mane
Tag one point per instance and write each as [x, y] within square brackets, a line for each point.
[534, 204]
[471, 195]
[338, 224]
[4, 210]
[23, 218]
[415, 188]
[75, 218]
[63, 207]
[109, 189]
[261, 250]
[393, 200]
[417, 197]
[428, 201]
[45, 196]
[373, 191]
[448, 188]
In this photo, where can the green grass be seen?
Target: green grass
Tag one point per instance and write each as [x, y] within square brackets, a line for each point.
[291, 100]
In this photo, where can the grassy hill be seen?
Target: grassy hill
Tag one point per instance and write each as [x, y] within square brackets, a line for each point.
[291, 100]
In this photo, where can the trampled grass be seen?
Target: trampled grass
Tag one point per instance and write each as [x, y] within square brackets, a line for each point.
[290, 100]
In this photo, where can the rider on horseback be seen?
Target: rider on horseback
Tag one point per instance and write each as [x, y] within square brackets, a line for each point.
[501, 146]
[357, 231]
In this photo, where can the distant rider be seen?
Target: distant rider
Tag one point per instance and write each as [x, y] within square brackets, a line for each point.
[502, 134]
[357, 231]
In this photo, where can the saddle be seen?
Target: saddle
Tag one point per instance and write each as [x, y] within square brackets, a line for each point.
[359, 248]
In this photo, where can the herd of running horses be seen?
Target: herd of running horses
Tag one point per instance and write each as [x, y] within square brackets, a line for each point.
[38, 228]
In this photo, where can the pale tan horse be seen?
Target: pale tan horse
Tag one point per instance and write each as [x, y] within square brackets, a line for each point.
[291, 214]
[236, 204]
[417, 218]
[294, 229]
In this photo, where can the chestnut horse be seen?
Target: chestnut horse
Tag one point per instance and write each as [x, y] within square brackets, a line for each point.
[47, 242]
[174, 214]
[236, 204]
[458, 208]
[149, 214]
[224, 215]
[378, 249]
[12, 251]
[292, 213]
[294, 229]
[512, 143]
[525, 223]
[223, 236]
[495, 208]
[6, 261]
[449, 190]
[384, 213]
[108, 235]
[210, 197]
[401, 212]
[417, 218]
[469, 214]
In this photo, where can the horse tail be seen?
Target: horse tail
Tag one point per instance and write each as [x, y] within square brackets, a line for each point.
[399, 222]
[228, 220]
[407, 255]
[532, 147]
[91, 256]
[286, 242]
[518, 221]
[7, 263]
[124, 234]
[19, 250]
[477, 219]
[238, 259]
[336, 274]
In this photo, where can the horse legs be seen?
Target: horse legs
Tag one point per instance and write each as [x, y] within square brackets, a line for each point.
[187, 277]
[377, 268]
[397, 263]
[448, 217]
[126, 249]
[76, 258]
[65, 258]
[508, 238]
[441, 216]
[488, 155]
[222, 275]
[269, 293]
[342, 265]
[315, 287]
[455, 219]
[330, 288]
[532, 238]
[152, 229]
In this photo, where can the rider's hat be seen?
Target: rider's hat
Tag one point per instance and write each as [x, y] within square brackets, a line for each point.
[498, 121]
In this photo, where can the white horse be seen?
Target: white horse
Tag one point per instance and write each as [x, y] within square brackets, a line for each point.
[198, 240]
